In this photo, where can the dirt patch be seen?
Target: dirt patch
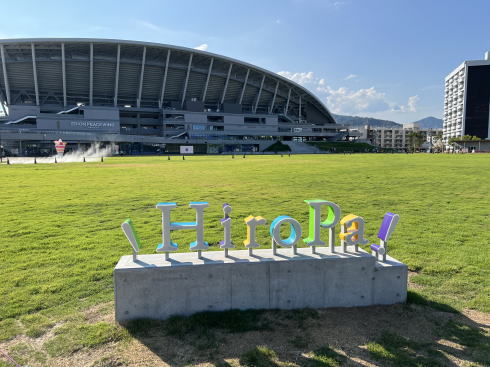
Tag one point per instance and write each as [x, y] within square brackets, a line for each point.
[100, 312]
[348, 332]
[411, 284]
[481, 318]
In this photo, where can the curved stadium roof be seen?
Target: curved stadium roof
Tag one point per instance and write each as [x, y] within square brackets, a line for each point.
[104, 72]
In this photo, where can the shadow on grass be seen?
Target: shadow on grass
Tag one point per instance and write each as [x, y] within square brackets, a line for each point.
[454, 338]
[421, 333]
[418, 299]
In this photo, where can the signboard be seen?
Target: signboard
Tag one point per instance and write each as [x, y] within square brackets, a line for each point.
[74, 124]
[186, 149]
[60, 146]
[352, 229]
[152, 286]
[93, 125]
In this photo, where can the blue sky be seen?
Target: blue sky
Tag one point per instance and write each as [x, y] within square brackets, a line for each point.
[379, 58]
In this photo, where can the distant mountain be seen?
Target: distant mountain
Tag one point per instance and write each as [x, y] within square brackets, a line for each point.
[430, 123]
[357, 121]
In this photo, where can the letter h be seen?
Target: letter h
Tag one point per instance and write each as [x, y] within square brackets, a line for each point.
[167, 245]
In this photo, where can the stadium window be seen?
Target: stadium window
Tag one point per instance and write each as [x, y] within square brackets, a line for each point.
[128, 114]
[254, 120]
[175, 126]
[216, 119]
[198, 127]
[174, 116]
[149, 115]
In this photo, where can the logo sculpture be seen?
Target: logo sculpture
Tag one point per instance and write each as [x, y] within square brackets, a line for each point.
[351, 233]
[352, 230]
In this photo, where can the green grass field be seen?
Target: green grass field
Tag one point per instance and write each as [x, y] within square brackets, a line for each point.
[61, 233]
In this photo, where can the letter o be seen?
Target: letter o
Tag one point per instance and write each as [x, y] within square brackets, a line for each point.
[294, 226]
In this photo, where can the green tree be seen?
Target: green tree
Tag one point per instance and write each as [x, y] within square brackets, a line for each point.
[415, 140]
[468, 137]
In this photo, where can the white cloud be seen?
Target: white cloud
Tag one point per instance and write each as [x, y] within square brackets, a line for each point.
[338, 4]
[412, 103]
[351, 76]
[305, 78]
[148, 25]
[202, 47]
[341, 100]
[344, 100]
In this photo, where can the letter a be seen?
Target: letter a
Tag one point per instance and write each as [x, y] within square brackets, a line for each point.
[352, 231]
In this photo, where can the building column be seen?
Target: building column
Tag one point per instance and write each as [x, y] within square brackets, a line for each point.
[244, 86]
[205, 91]
[164, 82]
[260, 92]
[226, 83]
[34, 73]
[91, 90]
[142, 75]
[116, 77]
[63, 73]
[5, 76]
[186, 81]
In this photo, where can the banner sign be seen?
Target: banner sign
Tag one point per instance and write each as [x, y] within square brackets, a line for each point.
[351, 229]
[60, 146]
[94, 125]
[186, 149]
[72, 123]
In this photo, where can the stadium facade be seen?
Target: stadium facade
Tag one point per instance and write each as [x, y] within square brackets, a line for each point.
[147, 97]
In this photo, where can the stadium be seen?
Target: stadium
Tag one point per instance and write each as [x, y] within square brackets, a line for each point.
[147, 98]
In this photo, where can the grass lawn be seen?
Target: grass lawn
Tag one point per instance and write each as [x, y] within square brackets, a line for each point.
[61, 234]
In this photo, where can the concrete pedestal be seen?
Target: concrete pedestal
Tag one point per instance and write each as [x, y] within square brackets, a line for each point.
[152, 287]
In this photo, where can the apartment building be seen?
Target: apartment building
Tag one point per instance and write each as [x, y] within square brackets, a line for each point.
[466, 100]
[397, 138]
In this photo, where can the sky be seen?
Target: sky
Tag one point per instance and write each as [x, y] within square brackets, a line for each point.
[378, 58]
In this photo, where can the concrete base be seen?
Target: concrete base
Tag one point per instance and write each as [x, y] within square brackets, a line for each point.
[152, 287]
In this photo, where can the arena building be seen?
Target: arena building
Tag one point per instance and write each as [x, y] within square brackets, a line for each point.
[147, 98]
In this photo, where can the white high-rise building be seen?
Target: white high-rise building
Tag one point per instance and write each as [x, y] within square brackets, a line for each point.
[466, 100]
